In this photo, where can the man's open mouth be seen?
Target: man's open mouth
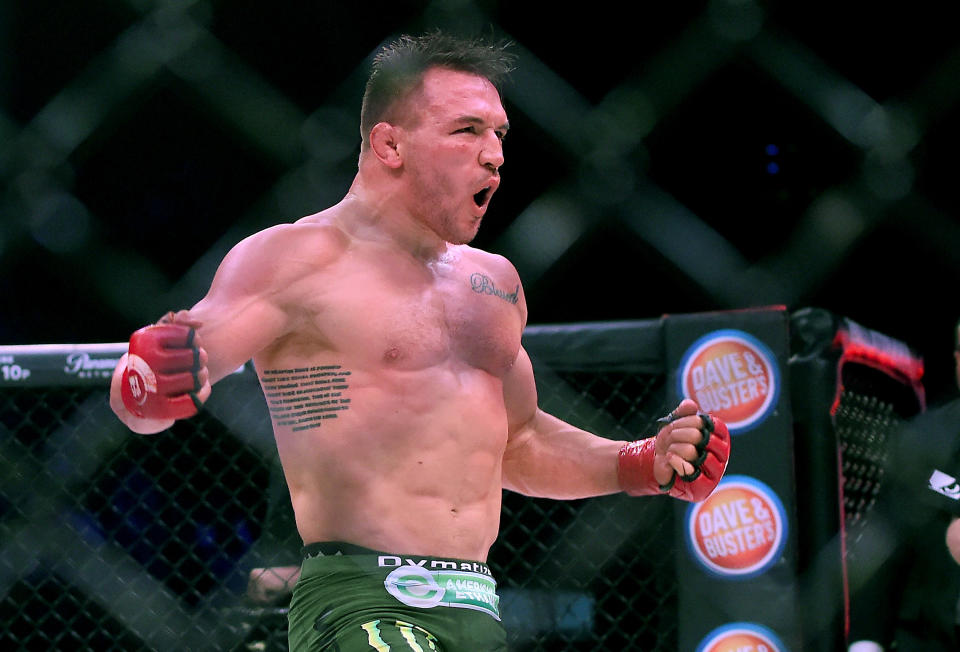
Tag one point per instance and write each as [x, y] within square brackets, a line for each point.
[481, 197]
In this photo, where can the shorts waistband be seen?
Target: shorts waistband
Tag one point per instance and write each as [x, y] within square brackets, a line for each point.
[388, 559]
[335, 548]
[414, 580]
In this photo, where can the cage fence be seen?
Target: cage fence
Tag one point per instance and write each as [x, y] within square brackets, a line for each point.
[112, 541]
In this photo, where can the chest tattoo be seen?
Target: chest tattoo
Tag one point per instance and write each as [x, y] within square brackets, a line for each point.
[304, 397]
[483, 284]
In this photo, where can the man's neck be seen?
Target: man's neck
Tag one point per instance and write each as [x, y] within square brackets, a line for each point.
[380, 217]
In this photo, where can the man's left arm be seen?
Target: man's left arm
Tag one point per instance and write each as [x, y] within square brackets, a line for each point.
[547, 457]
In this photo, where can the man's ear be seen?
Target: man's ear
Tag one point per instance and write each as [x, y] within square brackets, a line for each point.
[384, 141]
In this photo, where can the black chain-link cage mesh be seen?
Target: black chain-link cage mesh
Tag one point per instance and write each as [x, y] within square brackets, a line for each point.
[112, 541]
[872, 406]
[186, 541]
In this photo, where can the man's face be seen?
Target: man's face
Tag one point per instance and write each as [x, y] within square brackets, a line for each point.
[452, 150]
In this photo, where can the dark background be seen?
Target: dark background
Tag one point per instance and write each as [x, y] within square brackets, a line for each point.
[669, 157]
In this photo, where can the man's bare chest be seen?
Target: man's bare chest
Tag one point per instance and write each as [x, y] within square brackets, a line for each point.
[409, 318]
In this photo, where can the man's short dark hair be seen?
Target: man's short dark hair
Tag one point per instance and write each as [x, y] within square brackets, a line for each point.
[399, 67]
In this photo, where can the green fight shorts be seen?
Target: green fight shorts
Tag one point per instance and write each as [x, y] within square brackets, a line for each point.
[351, 599]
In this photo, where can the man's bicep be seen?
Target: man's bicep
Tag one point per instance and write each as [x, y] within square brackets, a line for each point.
[234, 330]
[240, 314]
[520, 392]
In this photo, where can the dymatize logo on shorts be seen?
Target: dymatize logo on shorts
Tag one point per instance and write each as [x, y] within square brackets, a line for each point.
[428, 583]
[733, 375]
[739, 531]
[741, 637]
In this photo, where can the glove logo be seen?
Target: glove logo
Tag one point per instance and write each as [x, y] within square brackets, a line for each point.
[739, 530]
[732, 374]
[141, 378]
[945, 484]
[737, 637]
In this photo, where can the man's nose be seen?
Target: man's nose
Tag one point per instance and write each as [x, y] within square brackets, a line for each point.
[491, 154]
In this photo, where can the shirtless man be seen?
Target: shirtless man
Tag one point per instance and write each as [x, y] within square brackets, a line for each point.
[389, 353]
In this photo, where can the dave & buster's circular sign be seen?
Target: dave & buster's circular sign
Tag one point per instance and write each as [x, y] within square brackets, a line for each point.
[738, 637]
[733, 375]
[739, 530]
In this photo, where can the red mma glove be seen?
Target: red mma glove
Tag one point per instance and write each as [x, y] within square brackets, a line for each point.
[635, 464]
[161, 379]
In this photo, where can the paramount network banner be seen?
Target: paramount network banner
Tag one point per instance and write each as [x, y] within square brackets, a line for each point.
[737, 569]
[40, 365]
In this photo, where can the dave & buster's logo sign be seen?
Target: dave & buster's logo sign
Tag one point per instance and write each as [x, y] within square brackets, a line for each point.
[733, 375]
[737, 637]
[740, 529]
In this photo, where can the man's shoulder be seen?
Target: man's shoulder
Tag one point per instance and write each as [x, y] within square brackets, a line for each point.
[279, 255]
[491, 261]
[314, 236]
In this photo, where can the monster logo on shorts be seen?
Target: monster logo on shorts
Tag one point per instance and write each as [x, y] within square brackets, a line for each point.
[733, 375]
[737, 637]
[739, 531]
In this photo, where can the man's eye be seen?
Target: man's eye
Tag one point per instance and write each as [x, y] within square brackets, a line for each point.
[465, 130]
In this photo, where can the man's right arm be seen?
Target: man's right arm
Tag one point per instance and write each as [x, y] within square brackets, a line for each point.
[169, 368]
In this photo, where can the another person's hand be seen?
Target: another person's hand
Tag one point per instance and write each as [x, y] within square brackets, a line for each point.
[686, 459]
[953, 539]
[270, 585]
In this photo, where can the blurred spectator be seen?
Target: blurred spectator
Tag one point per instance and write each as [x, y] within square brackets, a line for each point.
[277, 552]
[905, 561]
